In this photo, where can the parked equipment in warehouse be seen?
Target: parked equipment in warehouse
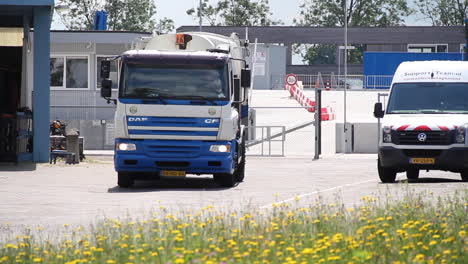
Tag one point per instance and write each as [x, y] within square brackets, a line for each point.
[58, 141]
[182, 107]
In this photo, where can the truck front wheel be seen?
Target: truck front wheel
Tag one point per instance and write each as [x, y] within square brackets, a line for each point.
[386, 175]
[240, 171]
[125, 179]
[225, 179]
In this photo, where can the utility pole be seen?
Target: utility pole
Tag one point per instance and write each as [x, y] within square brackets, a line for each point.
[200, 11]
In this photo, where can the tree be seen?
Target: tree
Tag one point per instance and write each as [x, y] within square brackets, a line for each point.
[235, 13]
[132, 15]
[329, 13]
[443, 12]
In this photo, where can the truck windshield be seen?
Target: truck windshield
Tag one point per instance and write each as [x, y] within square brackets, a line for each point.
[174, 82]
[428, 98]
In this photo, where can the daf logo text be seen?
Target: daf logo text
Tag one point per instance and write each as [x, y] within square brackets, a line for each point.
[137, 119]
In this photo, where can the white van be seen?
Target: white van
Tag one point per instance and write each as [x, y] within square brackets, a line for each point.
[425, 125]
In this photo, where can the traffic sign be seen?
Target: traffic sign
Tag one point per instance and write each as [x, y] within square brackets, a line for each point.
[291, 79]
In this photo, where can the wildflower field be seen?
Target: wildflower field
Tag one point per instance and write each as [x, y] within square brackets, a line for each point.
[411, 230]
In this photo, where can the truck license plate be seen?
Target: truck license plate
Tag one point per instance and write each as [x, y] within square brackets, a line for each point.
[168, 173]
[422, 160]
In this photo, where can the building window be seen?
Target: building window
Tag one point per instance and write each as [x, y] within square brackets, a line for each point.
[428, 48]
[114, 72]
[462, 47]
[69, 72]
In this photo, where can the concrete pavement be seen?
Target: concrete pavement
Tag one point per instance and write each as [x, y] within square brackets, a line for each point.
[53, 195]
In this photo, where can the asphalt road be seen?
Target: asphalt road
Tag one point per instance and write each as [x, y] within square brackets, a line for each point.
[53, 195]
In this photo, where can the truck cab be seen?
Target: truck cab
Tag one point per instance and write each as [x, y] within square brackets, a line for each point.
[425, 123]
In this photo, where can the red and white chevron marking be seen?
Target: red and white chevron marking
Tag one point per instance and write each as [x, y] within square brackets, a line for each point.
[424, 128]
[303, 100]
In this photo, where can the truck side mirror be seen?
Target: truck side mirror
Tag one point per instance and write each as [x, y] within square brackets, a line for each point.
[105, 69]
[245, 78]
[106, 88]
[378, 110]
[237, 89]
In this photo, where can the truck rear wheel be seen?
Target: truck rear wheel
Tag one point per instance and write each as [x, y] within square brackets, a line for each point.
[464, 175]
[412, 174]
[386, 175]
[125, 179]
[225, 179]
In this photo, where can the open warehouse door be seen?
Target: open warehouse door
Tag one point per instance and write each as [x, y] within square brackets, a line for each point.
[14, 118]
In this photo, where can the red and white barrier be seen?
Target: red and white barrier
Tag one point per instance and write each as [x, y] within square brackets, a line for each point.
[303, 100]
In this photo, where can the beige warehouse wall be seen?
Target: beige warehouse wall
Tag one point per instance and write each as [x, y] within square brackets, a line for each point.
[11, 37]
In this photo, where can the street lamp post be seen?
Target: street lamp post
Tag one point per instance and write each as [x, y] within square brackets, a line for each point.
[345, 73]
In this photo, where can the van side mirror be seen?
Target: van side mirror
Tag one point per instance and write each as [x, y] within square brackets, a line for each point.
[106, 88]
[105, 69]
[245, 78]
[378, 110]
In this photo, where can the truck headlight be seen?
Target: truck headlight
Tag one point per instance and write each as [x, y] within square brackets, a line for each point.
[460, 134]
[126, 147]
[387, 134]
[220, 148]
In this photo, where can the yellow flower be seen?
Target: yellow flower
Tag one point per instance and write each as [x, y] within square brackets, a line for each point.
[433, 242]
[462, 233]
[37, 260]
[419, 257]
[179, 261]
[110, 261]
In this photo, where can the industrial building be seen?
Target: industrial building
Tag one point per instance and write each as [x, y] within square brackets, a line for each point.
[24, 88]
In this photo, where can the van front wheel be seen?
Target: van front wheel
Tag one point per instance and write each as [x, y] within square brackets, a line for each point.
[386, 175]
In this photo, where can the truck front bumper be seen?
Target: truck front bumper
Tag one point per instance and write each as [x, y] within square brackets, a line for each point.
[192, 157]
[453, 159]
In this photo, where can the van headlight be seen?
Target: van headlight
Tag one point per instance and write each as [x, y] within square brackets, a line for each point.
[460, 134]
[387, 134]
[220, 148]
[126, 147]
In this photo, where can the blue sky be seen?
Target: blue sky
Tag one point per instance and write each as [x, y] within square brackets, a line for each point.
[286, 10]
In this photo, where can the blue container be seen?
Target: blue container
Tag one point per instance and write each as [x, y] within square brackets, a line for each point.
[385, 64]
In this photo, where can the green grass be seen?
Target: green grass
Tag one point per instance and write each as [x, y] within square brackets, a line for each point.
[411, 230]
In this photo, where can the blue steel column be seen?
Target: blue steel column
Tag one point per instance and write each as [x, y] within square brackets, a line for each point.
[41, 96]
[466, 39]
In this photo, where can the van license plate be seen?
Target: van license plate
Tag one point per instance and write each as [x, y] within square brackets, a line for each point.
[167, 173]
[422, 160]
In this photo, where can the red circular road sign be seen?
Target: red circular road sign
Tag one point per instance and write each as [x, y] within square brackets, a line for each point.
[291, 79]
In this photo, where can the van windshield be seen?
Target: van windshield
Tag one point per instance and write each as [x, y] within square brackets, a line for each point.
[428, 98]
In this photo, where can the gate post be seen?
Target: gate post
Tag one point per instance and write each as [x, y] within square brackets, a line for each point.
[318, 123]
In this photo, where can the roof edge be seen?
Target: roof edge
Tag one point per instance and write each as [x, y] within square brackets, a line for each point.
[27, 3]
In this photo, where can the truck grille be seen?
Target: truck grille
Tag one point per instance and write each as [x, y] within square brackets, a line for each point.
[432, 137]
[173, 127]
[171, 149]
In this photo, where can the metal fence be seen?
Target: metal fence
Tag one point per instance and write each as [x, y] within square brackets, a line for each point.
[332, 81]
[266, 140]
[79, 105]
